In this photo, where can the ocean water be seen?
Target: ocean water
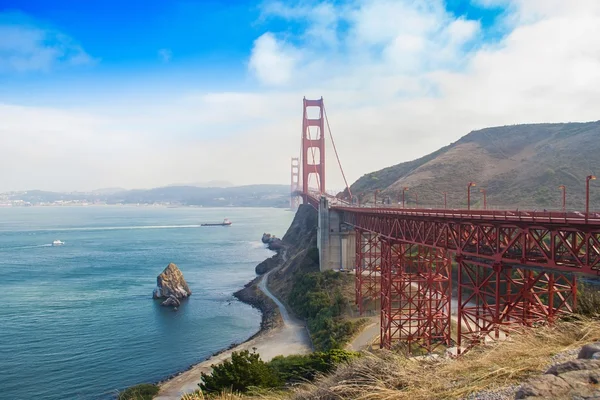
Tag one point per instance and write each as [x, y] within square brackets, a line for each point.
[78, 321]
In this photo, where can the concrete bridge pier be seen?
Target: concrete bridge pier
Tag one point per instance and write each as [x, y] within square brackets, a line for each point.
[336, 242]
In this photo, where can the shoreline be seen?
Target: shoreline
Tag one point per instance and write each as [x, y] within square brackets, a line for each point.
[270, 321]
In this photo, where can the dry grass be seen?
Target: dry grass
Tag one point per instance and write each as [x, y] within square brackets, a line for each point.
[588, 300]
[222, 396]
[258, 394]
[389, 376]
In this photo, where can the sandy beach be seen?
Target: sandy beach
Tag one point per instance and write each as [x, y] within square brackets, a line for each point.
[290, 338]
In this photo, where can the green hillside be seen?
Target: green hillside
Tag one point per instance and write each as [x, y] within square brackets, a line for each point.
[519, 166]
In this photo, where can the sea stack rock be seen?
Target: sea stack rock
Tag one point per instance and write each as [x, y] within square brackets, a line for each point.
[171, 286]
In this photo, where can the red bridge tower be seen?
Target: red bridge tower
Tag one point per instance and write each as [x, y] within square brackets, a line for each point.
[313, 145]
[295, 183]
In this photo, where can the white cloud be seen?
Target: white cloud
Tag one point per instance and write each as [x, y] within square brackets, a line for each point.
[417, 78]
[272, 60]
[25, 48]
[323, 17]
[400, 79]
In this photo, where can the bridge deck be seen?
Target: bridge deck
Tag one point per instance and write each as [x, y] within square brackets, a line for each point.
[546, 217]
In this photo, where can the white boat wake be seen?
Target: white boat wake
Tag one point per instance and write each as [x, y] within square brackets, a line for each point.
[116, 228]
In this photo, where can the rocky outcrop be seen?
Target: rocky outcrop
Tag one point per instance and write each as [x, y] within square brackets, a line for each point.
[300, 255]
[272, 242]
[576, 379]
[266, 237]
[171, 285]
[269, 264]
[252, 295]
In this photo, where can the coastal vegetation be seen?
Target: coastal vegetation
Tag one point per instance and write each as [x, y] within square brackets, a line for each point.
[306, 367]
[245, 371]
[322, 299]
[319, 297]
[492, 371]
[144, 391]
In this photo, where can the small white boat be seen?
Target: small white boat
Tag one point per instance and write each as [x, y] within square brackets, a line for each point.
[57, 243]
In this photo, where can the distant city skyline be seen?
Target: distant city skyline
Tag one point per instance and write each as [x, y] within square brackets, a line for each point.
[94, 94]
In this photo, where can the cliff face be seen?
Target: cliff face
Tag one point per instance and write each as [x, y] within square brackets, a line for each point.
[296, 252]
[298, 246]
[299, 255]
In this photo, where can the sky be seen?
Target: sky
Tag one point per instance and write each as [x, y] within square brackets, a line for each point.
[96, 94]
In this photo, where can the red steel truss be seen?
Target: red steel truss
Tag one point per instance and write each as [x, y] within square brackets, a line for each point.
[494, 301]
[313, 142]
[368, 268]
[510, 273]
[416, 291]
[554, 244]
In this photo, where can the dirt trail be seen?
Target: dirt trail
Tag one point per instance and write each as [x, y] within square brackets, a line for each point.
[369, 334]
[291, 338]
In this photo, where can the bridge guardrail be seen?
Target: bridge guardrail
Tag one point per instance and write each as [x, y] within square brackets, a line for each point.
[555, 217]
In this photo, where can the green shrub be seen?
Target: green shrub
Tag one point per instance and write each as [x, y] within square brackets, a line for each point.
[145, 391]
[313, 254]
[239, 374]
[318, 298]
[297, 368]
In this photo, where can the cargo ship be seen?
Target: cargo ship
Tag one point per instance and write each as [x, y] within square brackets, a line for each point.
[225, 222]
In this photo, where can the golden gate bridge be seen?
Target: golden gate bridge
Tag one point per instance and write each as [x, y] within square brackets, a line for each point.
[511, 268]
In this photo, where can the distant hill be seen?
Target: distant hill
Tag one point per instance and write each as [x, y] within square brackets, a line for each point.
[108, 191]
[209, 184]
[238, 196]
[519, 166]
[241, 196]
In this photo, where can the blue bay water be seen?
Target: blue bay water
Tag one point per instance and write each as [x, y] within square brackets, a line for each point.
[78, 322]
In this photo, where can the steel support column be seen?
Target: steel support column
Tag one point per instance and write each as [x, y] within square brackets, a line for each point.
[368, 267]
[416, 296]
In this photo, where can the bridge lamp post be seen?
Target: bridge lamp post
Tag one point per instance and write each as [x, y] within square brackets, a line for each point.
[404, 189]
[564, 197]
[416, 200]
[445, 203]
[471, 184]
[484, 198]
[587, 195]
[375, 199]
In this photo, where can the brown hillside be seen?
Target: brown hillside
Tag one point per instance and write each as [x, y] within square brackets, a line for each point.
[520, 166]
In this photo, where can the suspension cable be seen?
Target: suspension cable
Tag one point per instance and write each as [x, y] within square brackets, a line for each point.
[336, 154]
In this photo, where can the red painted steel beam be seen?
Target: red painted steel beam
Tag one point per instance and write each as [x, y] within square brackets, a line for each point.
[573, 218]
[498, 286]
[561, 247]
[416, 291]
[497, 301]
[367, 269]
